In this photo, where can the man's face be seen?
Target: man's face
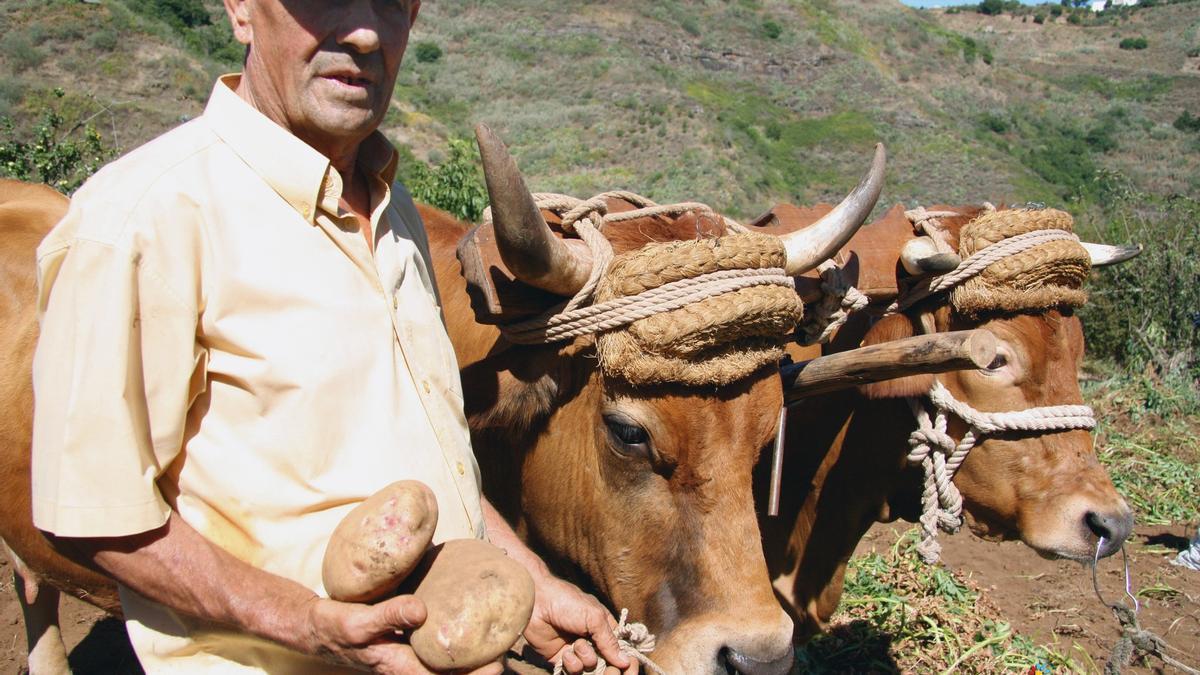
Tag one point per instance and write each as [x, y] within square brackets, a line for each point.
[324, 69]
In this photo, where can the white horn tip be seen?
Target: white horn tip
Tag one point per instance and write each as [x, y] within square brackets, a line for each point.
[1104, 254]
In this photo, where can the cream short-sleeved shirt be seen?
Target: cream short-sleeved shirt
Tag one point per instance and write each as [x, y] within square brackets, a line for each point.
[217, 339]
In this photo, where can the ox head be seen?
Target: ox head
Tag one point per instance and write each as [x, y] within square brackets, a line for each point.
[1045, 489]
[643, 490]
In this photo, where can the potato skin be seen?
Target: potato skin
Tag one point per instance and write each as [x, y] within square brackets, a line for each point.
[379, 543]
[478, 601]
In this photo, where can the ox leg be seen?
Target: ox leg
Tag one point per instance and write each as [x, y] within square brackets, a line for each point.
[39, 608]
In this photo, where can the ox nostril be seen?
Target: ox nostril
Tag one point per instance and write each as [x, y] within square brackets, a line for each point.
[1114, 528]
[740, 663]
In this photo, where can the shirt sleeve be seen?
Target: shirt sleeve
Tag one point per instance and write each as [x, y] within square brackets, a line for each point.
[116, 368]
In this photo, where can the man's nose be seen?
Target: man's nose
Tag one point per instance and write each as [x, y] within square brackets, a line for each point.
[361, 27]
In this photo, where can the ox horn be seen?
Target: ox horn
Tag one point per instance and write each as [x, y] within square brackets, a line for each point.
[1103, 254]
[527, 246]
[808, 247]
[920, 256]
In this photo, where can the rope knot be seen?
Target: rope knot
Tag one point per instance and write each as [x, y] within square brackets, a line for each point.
[940, 456]
[635, 641]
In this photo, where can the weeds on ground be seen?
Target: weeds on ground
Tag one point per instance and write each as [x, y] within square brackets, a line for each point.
[1147, 441]
[900, 615]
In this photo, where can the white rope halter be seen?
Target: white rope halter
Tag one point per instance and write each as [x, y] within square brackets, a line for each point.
[940, 456]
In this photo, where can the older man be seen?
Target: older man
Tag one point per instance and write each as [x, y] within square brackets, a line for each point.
[240, 341]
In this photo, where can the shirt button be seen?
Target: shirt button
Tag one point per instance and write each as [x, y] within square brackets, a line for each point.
[395, 302]
[462, 469]
[425, 385]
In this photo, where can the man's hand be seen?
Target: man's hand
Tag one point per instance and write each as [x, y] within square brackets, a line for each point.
[370, 635]
[564, 620]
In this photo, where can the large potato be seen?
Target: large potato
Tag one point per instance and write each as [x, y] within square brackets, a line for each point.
[379, 543]
[478, 600]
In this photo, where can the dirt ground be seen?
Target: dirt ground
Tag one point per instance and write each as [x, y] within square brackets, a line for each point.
[1051, 602]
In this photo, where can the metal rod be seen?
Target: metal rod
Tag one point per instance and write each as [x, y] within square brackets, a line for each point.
[777, 464]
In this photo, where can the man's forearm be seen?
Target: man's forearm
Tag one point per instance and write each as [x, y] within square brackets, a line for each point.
[177, 567]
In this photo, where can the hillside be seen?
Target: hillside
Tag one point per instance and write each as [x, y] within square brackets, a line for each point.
[740, 104]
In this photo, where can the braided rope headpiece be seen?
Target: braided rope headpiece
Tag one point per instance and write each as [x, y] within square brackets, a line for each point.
[714, 339]
[696, 312]
[1031, 260]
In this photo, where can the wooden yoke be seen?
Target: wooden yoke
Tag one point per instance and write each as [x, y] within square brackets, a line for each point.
[918, 355]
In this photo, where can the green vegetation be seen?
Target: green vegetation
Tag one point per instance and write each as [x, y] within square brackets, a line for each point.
[898, 614]
[455, 185]
[21, 52]
[1187, 122]
[202, 27]
[1147, 442]
[427, 52]
[60, 157]
[1134, 43]
[1145, 314]
[1142, 89]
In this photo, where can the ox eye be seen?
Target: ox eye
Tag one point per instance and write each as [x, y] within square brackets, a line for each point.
[997, 363]
[629, 437]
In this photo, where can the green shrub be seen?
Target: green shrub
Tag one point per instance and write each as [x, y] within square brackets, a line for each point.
[20, 51]
[1056, 11]
[104, 40]
[1075, 18]
[427, 52]
[1146, 312]
[61, 158]
[1187, 122]
[180, 14]
[1194, 52]
[991, 7]
[1134, 43]
[455, 185]
[771, 29]
[994, 122]
[1039, 18]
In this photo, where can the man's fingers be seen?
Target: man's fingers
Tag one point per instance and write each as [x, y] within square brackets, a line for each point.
[587, 655]
[571, 662]
[403, 612]
[604, 638]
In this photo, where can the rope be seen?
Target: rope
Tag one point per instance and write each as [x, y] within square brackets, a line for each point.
[839, 300]
[977, 263]
[569, 324]
[635, 641]
[940, 456]
[1133, 637]
[587, 218]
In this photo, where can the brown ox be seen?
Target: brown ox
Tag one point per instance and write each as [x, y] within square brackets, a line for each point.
[845, 465]
[640, 493]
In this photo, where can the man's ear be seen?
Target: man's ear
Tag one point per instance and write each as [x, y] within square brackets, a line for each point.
[239, 20]
[894, 327]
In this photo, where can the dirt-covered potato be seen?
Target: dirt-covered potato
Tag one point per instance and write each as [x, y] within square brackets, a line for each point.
[478, 600]
[379, 543]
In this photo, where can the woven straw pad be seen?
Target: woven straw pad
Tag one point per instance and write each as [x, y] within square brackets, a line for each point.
[1045, 276]
[710, 342]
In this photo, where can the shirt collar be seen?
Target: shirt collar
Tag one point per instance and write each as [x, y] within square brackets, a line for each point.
[303, 177]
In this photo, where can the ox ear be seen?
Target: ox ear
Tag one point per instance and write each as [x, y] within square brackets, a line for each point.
[894, 327]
